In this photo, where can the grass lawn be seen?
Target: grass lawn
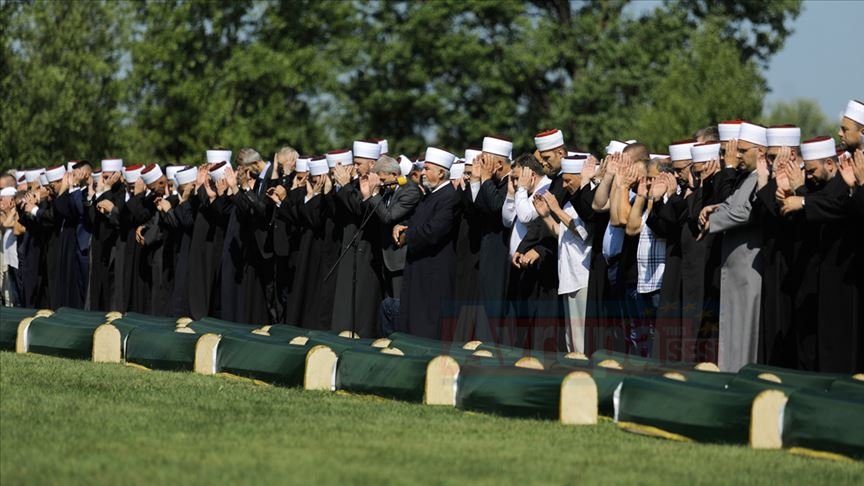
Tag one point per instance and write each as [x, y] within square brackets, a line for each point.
[64, 421]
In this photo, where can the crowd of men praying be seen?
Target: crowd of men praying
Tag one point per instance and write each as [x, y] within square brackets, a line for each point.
[742, 244]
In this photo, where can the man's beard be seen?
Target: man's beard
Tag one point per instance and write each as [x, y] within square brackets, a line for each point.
[426, 183]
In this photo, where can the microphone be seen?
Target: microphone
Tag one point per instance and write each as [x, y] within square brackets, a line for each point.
[400, 181]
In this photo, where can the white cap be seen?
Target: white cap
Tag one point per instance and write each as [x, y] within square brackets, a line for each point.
[383, 146]
[340, 157]
[151, 174]
[366, 150]
[318, 166]
[96, 176]
[172, 170]
[729, 129]
[615, 147]
[43, 181]
[112, 165]
[186, 176]
[680, 150]
[70, 165]
[217, 170]
[549, 140]
[457, 171]
[755, 134]
[471, 154]
[818, 148]
[132, 173]
[498, 146]
[439, 157]
[33, 175]
[784, 136]
[658, 156]
[405, 165]
[54, 174]
[572, 164]
[8, 192]
[302, 164]
[705, 152]
[855, 111]
[216, 156]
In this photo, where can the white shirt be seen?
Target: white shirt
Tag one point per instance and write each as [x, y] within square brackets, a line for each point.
[574, 254]
[519, 210]
[10, 248]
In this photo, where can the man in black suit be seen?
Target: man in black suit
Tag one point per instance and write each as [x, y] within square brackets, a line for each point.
[393, 199]
[430, 235]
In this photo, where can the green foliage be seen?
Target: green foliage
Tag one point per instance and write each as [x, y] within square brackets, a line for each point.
[804, 113]
[164, 80]
[78, 422]
[702, 86]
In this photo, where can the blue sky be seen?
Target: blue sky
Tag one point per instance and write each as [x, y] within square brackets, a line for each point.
[822, 60]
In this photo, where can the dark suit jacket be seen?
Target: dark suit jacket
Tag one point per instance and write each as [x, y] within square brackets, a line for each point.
[394, 207]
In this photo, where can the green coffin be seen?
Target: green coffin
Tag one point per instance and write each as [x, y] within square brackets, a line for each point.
[510, 391]
[161, 349]
[58, 337]
[799, 379]
[847, 385]
[262, 358]
[10, 317]
[336, 343]
[693, 411]
[830, 422]
[371, 372]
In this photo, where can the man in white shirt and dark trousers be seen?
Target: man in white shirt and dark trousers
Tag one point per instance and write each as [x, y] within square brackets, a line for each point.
[574, 251]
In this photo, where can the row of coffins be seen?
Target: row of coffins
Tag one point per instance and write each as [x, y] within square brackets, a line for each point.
[765, 407]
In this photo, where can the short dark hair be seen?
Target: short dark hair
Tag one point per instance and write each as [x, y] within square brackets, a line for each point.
[528, 161]
[708, 134]
[640, 149]
[81, 164]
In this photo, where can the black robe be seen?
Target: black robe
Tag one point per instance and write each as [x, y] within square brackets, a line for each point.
[494, 261]
[426, 303]
[247, 288]
[358, 278]
[67, 292]
[466, 290]
[205, 255]
[103, 248]
[138, 284]
[179, 222]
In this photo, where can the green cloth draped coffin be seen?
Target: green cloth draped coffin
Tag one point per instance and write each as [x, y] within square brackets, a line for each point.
[829, 422]
[511, 391]
[10, 317]
[67, 333]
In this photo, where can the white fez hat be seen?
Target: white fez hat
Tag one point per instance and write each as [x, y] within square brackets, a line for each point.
[470, 155]
[217, 170]
[818, 148]
[70, 165]
[439, 157]
[172, 170]
[755, 134]
[302, 164]
[383, 146]
[54, 174]
[855, 111]
[33, 175]
[318, 166]
[8, 192]
[658, 156]
[340, 157]
[132, 173]
[705, 152]
[680, 150]
[186, 176]
[729, 129]
[151, 174]
[112, 165]
[457, 170]
[405, 165]
[615, 147]
[96, 176]
[549, 140]
[784, 136]
[216, 156]
[497, 146]
[366, 150]
[43, 181]
[572, 164]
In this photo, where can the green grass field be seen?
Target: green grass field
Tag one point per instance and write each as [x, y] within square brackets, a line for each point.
[64, 421]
